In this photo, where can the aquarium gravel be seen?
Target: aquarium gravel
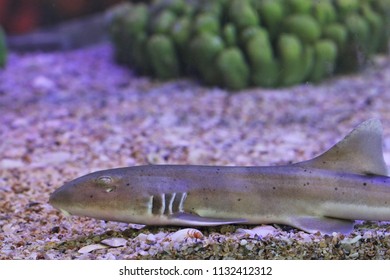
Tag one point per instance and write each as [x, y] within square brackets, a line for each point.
[66, 114]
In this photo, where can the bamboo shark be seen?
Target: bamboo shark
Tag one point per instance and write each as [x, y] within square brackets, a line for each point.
[327, 193]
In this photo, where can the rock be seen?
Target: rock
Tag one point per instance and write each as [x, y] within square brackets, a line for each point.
[43, 83]
[51, 158]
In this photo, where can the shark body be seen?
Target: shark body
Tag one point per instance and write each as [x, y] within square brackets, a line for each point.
[346, 183]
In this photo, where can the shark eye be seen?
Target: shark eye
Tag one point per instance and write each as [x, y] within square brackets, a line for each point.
[104, 180]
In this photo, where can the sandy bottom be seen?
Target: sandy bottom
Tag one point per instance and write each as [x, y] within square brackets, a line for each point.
[67, 114]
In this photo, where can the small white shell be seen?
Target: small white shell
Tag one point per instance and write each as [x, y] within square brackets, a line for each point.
[90, 248]
[259, 231]
[183, 234]
[114, 242]
[264, 230]
[351, 240]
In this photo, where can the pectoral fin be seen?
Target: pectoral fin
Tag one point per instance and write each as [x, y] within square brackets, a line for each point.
[195, 220]
[322, 224]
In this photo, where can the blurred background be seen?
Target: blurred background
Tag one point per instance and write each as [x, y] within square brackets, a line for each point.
[22, 16]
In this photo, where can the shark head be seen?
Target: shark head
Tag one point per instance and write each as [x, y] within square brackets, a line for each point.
[101, 195]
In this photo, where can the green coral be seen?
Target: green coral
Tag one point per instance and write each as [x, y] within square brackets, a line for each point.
[325, 54]
[162, 55]
[204, 49]
[346, 7]
[138, 55]
[3, 49]
[356, 53]
[272, 12]
[382, 7]
[241, 43]
[233, 69]
[137, 19]
[242, 14]
[338, 33]
[163, 22]
[305, 27]
[377, 28]
[291, 52]
[119, 34]
[300, 6]
[215, 7]
[230, 35]
[207, 23]
[264, 66]
[178, 7]
[324, 12]
[181, 32]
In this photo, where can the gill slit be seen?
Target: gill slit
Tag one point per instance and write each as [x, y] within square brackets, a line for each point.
[167, 204]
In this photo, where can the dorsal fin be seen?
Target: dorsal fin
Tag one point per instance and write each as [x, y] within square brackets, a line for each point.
[359, 152]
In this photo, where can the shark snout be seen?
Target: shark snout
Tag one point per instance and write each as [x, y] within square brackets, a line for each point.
[61, 197]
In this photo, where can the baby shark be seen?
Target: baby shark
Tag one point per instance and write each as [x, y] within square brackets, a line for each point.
[327, 193]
